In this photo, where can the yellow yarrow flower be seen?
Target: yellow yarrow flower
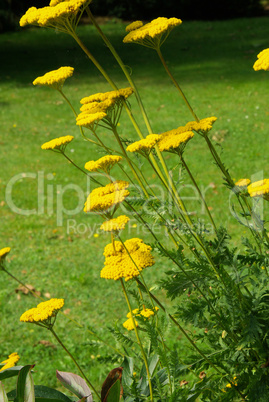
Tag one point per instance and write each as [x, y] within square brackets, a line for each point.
[145, 145]
[4, 252]
[55, 2]
[56, 78]
[10, 362]
[203, 126]
[263, 61]
[101, 199]
[105, 163]
[154, 33]
[89, 119]
[44, 312]
[145, 312]
[59, 143]
[97, 107]
[112, 95]
[259, 189]
[115, 225]
[128, 324]
[242, 183]
[63, 15]
[134, 25]
[120, 263]
[171, 142]
[102, 106]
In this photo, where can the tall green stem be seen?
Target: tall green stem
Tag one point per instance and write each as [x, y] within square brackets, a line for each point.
[138, 339]
[76, 363]
[199, 192]
[158, 50]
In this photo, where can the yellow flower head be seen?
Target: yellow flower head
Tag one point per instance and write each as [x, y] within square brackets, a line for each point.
[119, 94]
[44, 312]
[55, 2]
[128, 324]
[134, 25]
[115, 225]
[105, 163]
[4, 252]
[259, 189]
[56, 78]
[145, 312]
[120, 263]
[145, 145]
[58, 143]
[97, 107]
[11, 361]
[172, 142]
[89, 119]
[59, 14]
[154, 33]
[263, 61]
[242, 183]
[102, 106]
[101, 199]
[203, 126]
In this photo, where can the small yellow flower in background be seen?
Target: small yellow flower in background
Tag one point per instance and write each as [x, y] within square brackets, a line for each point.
[101, 199]
[152, 34]
[96, 235]
[10, 362]
[134, 25]
[58, 143]
[105, 163]
[259, 189]
[115, 225]
[120, 263]
[43, 313]
[55, 78]
[145, 312]
[62, 15]
[4, 252]
[263, 61]
[203, 126]
[230, 386]
[170, 141]
[145, 145]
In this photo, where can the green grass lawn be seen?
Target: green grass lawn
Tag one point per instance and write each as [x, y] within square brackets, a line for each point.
[213, 63]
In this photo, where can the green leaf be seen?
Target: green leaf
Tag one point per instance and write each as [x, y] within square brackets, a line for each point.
[43, 394]
[75, 384]
[3, 395]
[127, 372]
[113, 394]
[25, 385]
[10, 372]
[113, 376]
[152, 362]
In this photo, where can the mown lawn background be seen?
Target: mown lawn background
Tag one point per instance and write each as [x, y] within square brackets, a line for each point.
[213, 63]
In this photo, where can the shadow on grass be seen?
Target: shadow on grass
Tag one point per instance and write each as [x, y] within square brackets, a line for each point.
[213, 50]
